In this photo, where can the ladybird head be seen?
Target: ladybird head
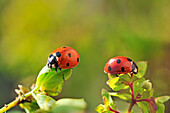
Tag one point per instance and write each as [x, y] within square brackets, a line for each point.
[53, 60]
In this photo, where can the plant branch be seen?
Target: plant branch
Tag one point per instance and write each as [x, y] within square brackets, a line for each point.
[10, 105]
[142, 100]
[17, 101]
[133, 100]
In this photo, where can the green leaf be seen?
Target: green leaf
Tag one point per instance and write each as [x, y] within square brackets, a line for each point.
[161, 107]
[115, 84]
[123, 96]
[162, 99]
[137, 86]
[143, 106]
[148, 106]
[125, 78]
[101, 108]
[29, 107]
[45, 69]
[142, 66]
[69, 106]
[152, 105]
[45, 102]
[15, 111]
[51, 82]
[108, 102]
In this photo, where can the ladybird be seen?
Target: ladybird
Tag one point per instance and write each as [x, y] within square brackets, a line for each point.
[120, 65]
[63, 58]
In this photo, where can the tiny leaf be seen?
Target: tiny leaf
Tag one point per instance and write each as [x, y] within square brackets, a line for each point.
[69, 106]
[101, 108]
[152, 105]
[142, 66]
[162, 99]
[143, 106]
[123, 96]
[29, 107]
[137, 86]
[45, 102]
[15, 111]
[108, 102]
[161, 107]
[115, 85]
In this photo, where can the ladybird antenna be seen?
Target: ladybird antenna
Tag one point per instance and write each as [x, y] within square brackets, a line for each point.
[63, 74]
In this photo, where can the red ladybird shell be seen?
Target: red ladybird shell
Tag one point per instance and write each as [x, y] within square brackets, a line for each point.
[120, 65]
[68, 57]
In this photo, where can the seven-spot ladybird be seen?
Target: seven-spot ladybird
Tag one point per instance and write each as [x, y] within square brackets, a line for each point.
[63, 58]
[120, 65]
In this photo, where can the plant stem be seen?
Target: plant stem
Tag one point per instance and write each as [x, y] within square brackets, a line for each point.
[10, 105]
[133, 100]
[110, 109]
[130, 107]
[142, 100]
[131, 88]
[17, 101]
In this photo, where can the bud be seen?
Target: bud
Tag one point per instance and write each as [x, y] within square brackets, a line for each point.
[146, 85]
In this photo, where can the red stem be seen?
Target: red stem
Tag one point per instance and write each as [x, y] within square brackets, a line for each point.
[133, 101]
[142, 100]
[110, 109]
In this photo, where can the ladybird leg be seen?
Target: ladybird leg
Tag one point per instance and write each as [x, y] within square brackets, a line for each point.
[63, 74]
[56, 70]
[117, 75]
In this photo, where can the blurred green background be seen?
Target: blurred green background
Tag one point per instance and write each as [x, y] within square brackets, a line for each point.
[98, 29]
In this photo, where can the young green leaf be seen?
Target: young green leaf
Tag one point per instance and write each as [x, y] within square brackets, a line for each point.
[108, 102]
[101, 108]
[143, 106]
[161, 107]
[115, 85]
[142, 66]
[152, 105]
[162, 99]
[15, 111]
[125, 78]
[51, 82]
[123, 96]
[137, 86]
[69, 106]
[29, 107]
[45, 102]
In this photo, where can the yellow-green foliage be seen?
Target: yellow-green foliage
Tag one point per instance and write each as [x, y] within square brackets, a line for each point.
[98, 29]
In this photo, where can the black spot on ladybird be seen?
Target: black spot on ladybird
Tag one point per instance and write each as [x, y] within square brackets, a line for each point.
[64, 47]
[50, 56]
[68, 64]
[109, 68]
[69, 54]
[129, 59]
[118, 61]
[58, 54]
[77, 59]
[123, 69]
